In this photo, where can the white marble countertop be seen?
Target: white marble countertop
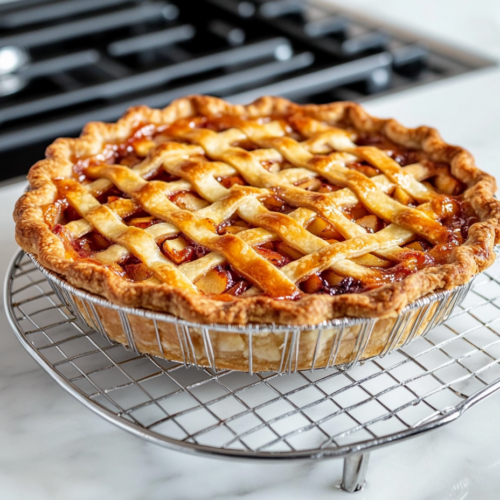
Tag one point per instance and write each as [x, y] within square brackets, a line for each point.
[53, 448]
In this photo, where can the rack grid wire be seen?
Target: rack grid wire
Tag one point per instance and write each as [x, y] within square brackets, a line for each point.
[316, 414]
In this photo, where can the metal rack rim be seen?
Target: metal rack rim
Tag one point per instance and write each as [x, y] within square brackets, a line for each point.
[194, 448]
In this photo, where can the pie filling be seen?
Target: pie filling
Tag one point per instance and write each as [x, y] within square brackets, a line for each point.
[284, 207]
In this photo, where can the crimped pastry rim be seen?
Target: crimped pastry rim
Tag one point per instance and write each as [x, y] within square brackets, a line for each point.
[232, 328]
[475, 255]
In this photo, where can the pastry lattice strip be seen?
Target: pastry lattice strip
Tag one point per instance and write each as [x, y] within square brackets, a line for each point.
[82, 226]
[151, 196]
[114, 254]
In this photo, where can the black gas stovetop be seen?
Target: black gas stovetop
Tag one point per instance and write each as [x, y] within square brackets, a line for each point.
[66, 62]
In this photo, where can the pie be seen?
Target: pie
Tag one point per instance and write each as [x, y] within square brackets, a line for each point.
[266, 213]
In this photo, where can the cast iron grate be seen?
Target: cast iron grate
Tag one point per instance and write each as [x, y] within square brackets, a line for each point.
[66, 62]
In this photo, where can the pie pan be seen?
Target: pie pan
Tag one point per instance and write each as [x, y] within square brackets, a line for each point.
[256, 347]
[263, 228]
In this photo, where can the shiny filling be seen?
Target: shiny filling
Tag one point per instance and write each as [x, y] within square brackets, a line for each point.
[446, 206]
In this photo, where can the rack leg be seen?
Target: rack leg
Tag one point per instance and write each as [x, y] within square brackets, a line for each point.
[354, 474]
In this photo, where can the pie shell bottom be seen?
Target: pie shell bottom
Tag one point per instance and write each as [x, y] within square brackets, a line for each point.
[262, 350]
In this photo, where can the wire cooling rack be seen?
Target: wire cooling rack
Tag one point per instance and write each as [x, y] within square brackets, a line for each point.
[315, 414]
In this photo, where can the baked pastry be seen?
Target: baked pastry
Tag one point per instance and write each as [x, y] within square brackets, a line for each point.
[266, 213]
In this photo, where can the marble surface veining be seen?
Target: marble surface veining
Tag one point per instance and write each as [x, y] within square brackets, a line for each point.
[51, 447]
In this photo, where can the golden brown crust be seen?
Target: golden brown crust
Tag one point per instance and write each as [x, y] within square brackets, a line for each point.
[476, 254]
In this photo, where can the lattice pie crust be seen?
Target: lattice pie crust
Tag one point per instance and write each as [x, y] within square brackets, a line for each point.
[271, 212]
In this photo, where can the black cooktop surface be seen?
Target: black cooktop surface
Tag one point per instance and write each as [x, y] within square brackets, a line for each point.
[64, 63]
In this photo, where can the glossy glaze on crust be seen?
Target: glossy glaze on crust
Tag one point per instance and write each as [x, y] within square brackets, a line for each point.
[284, 299]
